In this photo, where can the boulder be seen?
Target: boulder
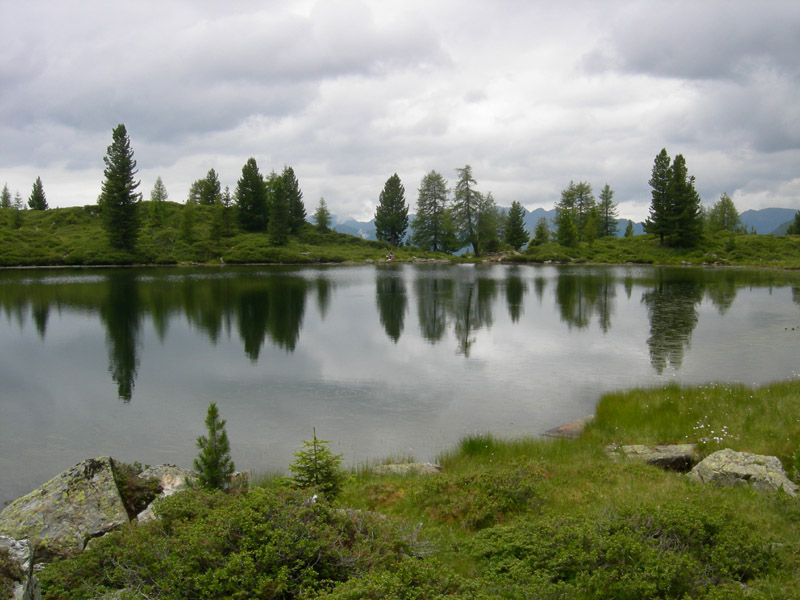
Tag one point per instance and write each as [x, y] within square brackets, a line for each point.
[73, 507]
[406, 468]
[730, 468]
[173, 479]
[675, 457]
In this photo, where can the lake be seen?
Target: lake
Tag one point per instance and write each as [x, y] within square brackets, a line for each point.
[381, 360]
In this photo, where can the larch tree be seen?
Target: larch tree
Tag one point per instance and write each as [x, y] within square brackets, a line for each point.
[37, 199]
[428, 229]
[251, 198]
[279, 208]
[607, 213]
[214, 465]
[391, 215]
[629, 229]
[158, 195]
[466, 208]
[119, 199]
[541, 233]
[515, 234]
[322, 217]
[723, 216]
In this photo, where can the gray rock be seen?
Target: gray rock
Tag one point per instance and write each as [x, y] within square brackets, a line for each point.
[730, 468]
[173, 479]
[76, 505]
[406, 468]
[675, 457]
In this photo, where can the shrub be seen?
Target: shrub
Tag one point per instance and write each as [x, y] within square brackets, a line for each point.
[676, 551]
[136, 492]
[262, 544]
[9, 574]
[484, 497]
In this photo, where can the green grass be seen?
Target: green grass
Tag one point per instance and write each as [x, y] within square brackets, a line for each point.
[75, 236]
[507, 518]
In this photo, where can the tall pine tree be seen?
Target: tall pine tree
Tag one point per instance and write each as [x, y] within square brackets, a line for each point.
[657, 221]
[607, 213]
[391, 216]
[466, 208]
[297, 210]
[5, 199]
[119, 199]
[37, 200]
[279, 208]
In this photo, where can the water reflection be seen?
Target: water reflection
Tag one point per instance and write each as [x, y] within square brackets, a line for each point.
[392, 300]
[261, 306]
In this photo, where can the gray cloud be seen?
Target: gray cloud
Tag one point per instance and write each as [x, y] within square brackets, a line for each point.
[533, 95]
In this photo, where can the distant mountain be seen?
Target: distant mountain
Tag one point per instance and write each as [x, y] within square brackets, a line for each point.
[767, 220]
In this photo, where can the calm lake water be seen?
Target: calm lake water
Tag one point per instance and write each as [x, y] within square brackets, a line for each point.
[382, 360]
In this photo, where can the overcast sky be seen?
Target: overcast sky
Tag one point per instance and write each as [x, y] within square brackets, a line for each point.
[532, 94]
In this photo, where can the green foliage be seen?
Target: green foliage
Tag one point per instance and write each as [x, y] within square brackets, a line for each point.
[723, 216]
[37, 200]
[410, 579]
[322, 217]
[10, 574]
[466, 209]
[5, 197]
[677, 550]
[214, 465]
[119, 199]
[262, 544]
[251, 198]
[794, 228]
[279, 209]
[541, 233]
[209, 190]
[429, 228]
[607, 213]
[136, 492]
[567, 232]
[158, 196]
[483, 497]
[391, 215]
[317, 468]
[629, 229]
[675, 212]
[297, 210]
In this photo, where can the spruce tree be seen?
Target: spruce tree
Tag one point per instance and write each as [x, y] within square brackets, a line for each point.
[37, 200]
[428, 229]
[322, 217]
[5, 199]
[567, 232]
[515, 234]
[214, 465]
[391, 215]
[209, 189]
[297, 210]
[118, 199]
[316, 467]
[541, 233]
[685, 212]
[251, 198]
[657, 221]
[629, 229]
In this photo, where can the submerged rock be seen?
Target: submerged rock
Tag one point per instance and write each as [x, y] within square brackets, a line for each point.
[81, 503]
[730, 468]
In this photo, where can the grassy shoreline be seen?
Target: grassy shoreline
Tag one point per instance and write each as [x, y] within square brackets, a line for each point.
[74, 237]
[517, 518]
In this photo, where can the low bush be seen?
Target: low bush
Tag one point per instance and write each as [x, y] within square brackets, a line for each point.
[136, 492]
[262, 544]
[9, 574]
[483, 497]
[682, 550]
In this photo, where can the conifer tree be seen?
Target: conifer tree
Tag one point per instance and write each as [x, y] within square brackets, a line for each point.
[607, 213]
[279, 209]
[316, 467]
[251, 198]
[515, 234]
[322, 217]
[656, 222]
[466, 208]
[214, 465]
[629, 229]
[297, 210]
[158, 196]
[209, 189]
[428, 228]
[391, 215]
[541, 233]
[118, 199]
[37, 200]
[5, 199]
